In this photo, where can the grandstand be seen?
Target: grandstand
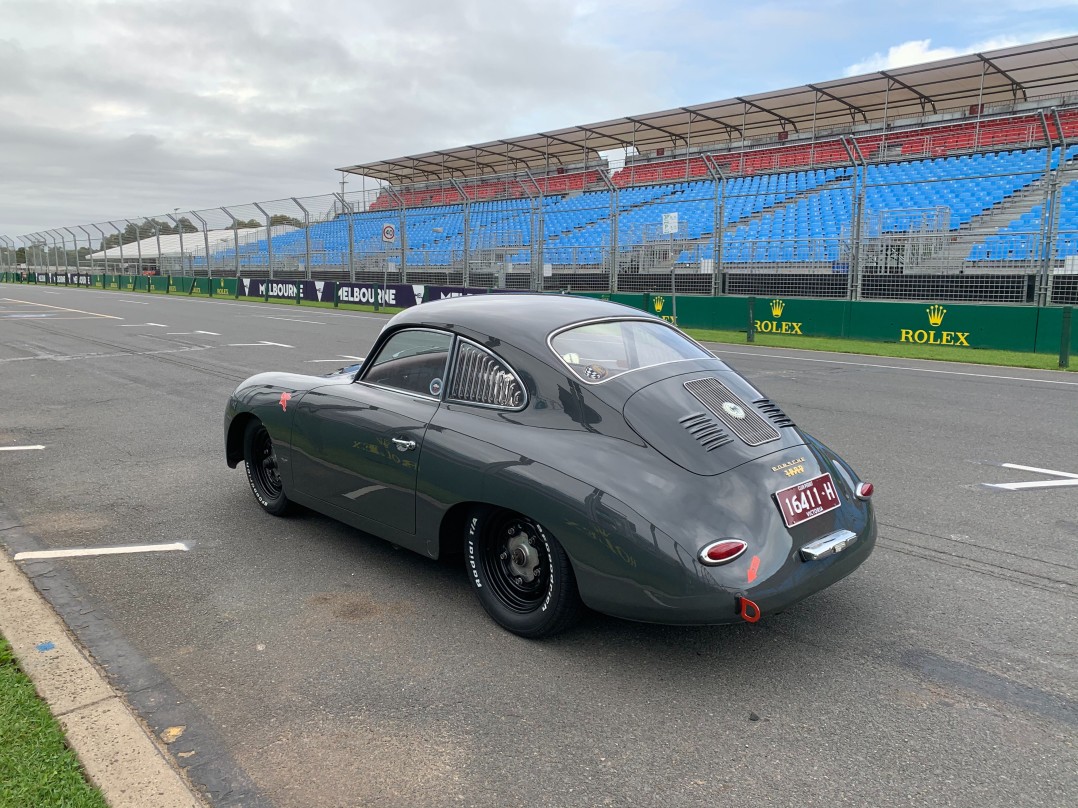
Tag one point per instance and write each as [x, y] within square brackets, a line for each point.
[955, 179]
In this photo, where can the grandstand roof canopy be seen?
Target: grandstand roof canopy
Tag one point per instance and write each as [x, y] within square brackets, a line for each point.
[1006, 76]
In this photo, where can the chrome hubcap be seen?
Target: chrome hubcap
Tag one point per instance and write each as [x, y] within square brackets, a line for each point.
[523, 558]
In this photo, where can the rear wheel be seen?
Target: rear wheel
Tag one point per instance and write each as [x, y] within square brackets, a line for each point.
[260, 462]
[520, 572]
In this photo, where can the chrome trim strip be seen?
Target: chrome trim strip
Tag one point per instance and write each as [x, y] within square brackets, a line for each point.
[828, 545]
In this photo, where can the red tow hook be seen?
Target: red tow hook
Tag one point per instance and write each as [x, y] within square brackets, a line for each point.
[748, 610]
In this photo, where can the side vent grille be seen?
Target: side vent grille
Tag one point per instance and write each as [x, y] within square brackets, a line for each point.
[481, 378]
[771, 410]
[743, 421]
[703, 427]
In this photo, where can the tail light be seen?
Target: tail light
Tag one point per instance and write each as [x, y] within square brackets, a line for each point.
[864, 490]
[721, 552]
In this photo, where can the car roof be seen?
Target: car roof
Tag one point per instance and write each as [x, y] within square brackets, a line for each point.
[521, 319]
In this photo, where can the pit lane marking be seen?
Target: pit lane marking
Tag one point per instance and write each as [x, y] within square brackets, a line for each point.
[78, 552]
[1067, 479]
[19, 448]
[62, 308]
[721, 352]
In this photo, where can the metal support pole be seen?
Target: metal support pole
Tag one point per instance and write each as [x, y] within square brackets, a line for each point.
[75, 241]
[306, 236]
[538, 233]
[402, 232]
[179, 232]
[615, 210]
[104, 246]
[466, 205]
[120, 240]
[346, 210]
[857, 209]
[138, 242]
[157, 237]
[206, 244]
[235, 240]
[1049, 206]
[718, 230]
[269, 237]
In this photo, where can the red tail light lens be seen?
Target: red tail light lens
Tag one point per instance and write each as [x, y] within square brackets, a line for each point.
[722, 552]
[864, 490]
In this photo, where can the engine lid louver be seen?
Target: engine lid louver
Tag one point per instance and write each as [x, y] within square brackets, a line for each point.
[771, 411]
[705, 430]
[747, 424]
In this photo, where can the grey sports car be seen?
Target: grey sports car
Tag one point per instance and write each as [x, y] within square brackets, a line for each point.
[576, 452]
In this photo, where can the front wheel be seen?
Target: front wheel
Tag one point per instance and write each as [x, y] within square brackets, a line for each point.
[260, 462]
[520, 572]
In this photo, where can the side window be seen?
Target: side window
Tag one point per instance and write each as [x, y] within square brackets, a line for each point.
[479, 377]
[412, 360]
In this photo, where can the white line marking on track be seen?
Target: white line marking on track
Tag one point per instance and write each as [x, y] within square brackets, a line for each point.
[292, 319]
[63, 308]
[141, 325]
[189, 333]
[66, 358]
[19, 448]
[1069, 479]
[257, 344]
[77, 552]
[722, 353]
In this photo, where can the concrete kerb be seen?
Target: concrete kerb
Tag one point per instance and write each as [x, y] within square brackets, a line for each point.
[118, 754]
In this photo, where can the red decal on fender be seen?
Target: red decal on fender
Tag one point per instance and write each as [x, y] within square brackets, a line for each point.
[285, 398]
[754, 567]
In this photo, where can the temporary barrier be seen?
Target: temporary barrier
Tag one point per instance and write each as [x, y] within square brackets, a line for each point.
[960, 326]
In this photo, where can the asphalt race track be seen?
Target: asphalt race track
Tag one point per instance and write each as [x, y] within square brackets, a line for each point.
[309, 664]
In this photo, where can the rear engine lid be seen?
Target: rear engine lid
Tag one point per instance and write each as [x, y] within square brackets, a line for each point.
[709, 422]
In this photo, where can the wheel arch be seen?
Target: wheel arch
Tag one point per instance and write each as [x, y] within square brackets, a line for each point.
[234, 439]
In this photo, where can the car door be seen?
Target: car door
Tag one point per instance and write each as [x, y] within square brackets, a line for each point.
[357, 446]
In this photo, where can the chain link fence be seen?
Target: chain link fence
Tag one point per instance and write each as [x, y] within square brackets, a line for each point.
[924, 217]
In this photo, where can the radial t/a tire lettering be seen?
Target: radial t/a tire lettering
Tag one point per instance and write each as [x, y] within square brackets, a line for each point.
[521, 574]
[260, 463]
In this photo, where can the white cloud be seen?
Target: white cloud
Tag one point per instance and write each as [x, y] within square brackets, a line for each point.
[919, 51]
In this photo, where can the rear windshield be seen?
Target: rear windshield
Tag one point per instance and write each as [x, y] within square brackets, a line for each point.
[600, 351]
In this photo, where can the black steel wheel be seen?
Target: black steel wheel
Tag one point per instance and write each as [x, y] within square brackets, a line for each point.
[263, 474]
[520, 572]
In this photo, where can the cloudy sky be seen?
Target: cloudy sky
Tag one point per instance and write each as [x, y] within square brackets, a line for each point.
[128, 108]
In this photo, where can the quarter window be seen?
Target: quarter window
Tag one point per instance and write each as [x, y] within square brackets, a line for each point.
[413, 360]
[479, 377]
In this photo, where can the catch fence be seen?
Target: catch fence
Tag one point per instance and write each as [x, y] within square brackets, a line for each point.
[913, 222]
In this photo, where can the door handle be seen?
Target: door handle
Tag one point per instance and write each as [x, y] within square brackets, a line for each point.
[403, 444]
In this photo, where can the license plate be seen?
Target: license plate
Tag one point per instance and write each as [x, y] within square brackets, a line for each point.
[807, 500]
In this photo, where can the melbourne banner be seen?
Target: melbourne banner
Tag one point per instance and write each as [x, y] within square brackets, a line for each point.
[398, 295]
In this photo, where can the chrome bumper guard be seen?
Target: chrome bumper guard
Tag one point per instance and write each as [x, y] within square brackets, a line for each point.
[828, 545]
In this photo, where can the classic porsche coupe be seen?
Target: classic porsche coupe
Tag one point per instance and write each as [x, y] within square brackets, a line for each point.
[576, 452]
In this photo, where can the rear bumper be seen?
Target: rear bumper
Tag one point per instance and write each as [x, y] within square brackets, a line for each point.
[796, 580]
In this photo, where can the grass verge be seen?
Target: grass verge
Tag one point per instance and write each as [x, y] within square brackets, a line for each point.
[36, 766]
[980, 356]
